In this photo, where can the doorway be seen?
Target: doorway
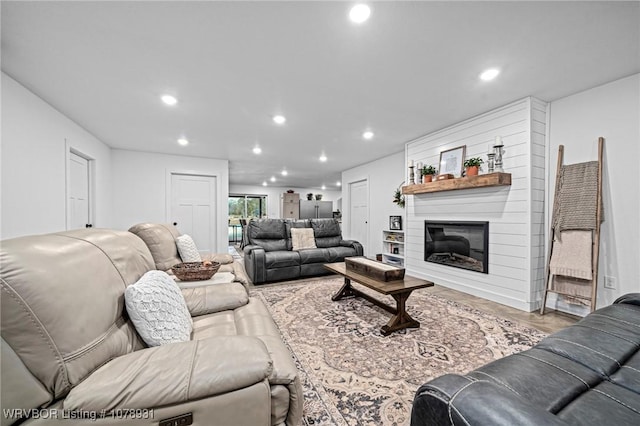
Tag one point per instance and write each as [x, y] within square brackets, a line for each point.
[359, 212]
[194, 210]
[79, 191]
[242, 208]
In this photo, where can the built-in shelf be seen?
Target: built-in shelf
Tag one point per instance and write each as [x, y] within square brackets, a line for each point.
[393, 241]
[481, 181]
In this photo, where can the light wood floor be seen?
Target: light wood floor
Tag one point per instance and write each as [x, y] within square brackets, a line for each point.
[550, 322]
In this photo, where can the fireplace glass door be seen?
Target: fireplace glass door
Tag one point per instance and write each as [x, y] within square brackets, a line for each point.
[457, 244]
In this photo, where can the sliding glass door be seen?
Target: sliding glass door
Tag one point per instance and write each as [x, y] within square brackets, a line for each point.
[244, 206]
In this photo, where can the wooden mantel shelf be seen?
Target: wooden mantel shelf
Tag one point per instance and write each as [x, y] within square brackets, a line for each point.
[481, 181]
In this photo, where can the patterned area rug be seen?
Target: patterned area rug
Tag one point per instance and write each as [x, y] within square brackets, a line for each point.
[352, 375]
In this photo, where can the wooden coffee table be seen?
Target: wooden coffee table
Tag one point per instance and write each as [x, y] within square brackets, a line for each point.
[399, 290]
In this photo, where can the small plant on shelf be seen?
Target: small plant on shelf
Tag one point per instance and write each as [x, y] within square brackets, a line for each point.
[472, 165]
[427, 173]
[475, 161]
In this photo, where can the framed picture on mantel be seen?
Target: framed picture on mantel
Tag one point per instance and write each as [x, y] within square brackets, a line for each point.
[452, 160]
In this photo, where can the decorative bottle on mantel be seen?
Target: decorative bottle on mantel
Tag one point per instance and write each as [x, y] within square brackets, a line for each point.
[491, 155]
[412, 177]
[499, 151]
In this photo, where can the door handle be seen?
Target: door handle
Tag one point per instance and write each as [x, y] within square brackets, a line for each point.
[88, 225]
[175, 223]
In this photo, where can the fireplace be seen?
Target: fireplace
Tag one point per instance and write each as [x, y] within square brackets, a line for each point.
[458, 244]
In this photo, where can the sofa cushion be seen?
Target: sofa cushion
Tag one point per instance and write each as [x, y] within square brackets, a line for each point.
[603, 344]
[187, 249]
[325, 255]
[173, 374]
[606, 404]
[158, 310]
[270, 234]
[302, 238]
[327, 232]
[161, 240]
[527, 372]
[281, 259]
[208, 299]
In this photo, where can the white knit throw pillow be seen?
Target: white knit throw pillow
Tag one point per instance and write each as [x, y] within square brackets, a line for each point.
[158, 310]
[302, 238]
[187, 249]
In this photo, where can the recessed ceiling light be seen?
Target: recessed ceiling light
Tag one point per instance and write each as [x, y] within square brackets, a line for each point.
[169, 100]
[284, 172]
[279, 119]
[264, 183]
[489, 74]
[273, 179]
[338, 183]
[359, 13]
[368, 135]
[324, 187]
[183, 141]
[323, 158]
[257, 150]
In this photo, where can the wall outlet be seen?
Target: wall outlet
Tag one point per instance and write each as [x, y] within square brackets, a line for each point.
[610, 282]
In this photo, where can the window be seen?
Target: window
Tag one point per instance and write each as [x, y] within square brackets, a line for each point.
[247, 206]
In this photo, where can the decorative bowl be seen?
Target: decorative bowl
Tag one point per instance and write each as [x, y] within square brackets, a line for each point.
[195, 271]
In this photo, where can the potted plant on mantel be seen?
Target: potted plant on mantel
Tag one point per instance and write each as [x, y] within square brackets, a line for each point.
[427, 173]
[472, 165]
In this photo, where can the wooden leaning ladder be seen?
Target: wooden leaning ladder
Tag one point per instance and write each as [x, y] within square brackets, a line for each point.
[596, 235]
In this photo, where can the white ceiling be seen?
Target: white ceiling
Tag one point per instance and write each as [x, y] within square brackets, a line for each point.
[411, 69]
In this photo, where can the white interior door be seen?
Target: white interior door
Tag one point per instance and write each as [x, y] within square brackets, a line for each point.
[193, 209]
[359, 212]
[79, 215]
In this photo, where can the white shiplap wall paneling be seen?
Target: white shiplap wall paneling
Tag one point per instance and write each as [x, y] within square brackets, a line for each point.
[515, 213]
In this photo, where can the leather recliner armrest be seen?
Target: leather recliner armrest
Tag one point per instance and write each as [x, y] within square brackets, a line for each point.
[630, 298]
[255, 263]
[250, 248]
[173, 374]
[215, 298]
[458, 400]
[353, 244]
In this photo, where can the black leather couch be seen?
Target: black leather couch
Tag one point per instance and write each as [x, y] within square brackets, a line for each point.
[268, 254]
[586, 374]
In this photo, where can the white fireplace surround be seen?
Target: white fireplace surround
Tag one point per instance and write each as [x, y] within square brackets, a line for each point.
[515, 213]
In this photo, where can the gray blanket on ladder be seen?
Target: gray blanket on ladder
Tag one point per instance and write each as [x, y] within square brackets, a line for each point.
[577, 194]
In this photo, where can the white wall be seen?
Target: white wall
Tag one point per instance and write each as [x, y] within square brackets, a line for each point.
[613, 112]
[140, 189]
[384, 176]
[274, 195]
[515, 213]
[34, 162]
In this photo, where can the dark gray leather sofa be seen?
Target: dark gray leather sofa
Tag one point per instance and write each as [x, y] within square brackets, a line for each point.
[586, 374]
[268, 254]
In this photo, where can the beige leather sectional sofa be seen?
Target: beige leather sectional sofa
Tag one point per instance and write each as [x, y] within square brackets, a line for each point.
[70, 355]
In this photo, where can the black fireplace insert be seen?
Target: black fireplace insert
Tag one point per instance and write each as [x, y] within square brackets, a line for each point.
[459, 244]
